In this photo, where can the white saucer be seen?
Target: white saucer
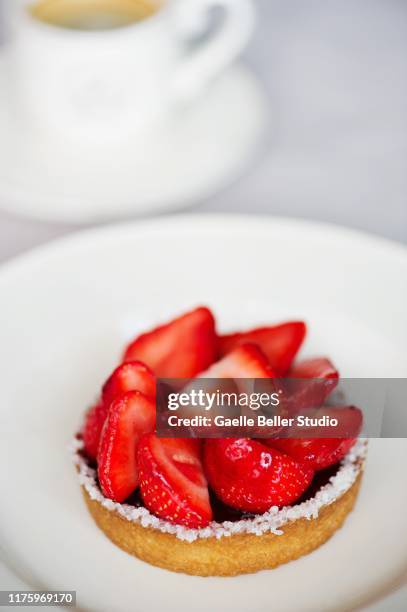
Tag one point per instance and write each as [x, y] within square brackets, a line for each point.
[195, 152]
[67, 310]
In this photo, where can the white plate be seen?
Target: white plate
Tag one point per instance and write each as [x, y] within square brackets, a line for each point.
[191, 155]
[66, 311]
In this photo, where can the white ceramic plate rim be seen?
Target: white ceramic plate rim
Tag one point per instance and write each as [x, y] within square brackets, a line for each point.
[388, 248]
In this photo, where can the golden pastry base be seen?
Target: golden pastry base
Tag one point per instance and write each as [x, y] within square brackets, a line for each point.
[227, 556]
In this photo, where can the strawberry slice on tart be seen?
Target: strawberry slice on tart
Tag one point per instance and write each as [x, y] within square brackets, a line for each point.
[321, 452]
[92, 428]
[129, 417]
[317, 453]
[245, 361]
[179, 349]
[314, 367]
[249, 476]
[279, 343]
[308, 384]
[173, 485]
[129, 376]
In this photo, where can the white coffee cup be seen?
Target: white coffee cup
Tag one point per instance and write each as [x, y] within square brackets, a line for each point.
[92, 83]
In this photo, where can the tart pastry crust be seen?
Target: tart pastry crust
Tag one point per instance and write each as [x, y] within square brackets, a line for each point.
[228, 556]
[230, 549]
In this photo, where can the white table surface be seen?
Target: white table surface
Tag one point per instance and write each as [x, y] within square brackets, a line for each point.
[336, 75]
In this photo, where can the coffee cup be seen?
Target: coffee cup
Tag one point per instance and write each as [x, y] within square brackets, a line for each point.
[99, 68]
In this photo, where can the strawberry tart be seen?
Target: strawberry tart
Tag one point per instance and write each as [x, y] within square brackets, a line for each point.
[220, 506]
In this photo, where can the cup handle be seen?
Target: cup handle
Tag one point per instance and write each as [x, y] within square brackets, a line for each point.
[212, 56]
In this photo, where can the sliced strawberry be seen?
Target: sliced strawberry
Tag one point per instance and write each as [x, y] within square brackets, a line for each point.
[252, 477]
[316, 367]
[309, 384]
[172, 482]
[246, 361]
[321, 452]
[92, 428]
[179, 349]
[130, 416]
[280, 343]
[131, 376]
[317, 453]
[241, 370]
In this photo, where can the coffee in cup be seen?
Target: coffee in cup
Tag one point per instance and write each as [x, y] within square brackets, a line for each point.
[93, 14]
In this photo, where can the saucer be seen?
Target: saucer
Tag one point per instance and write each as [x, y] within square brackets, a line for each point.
[193, 153]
